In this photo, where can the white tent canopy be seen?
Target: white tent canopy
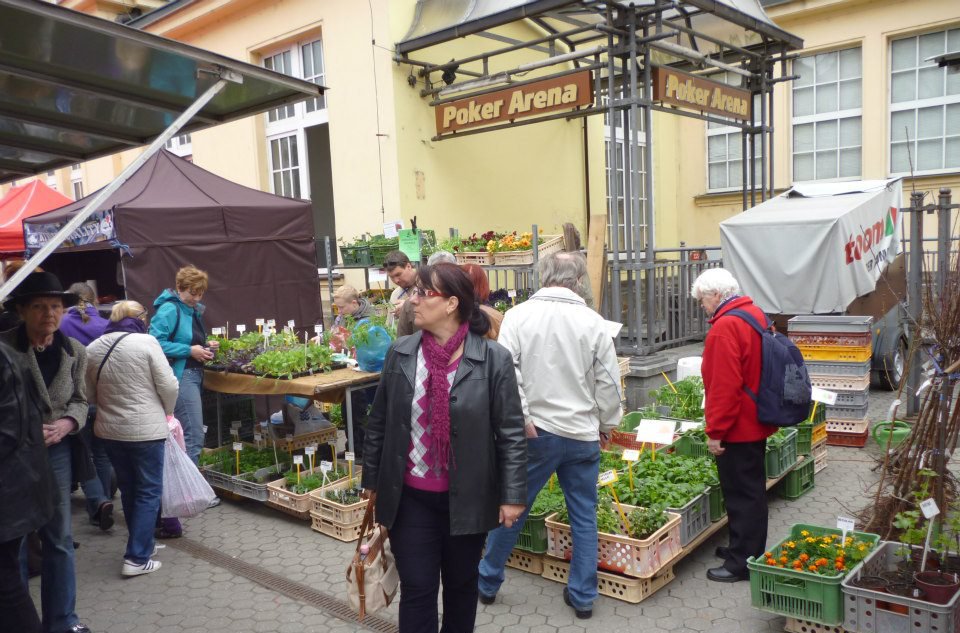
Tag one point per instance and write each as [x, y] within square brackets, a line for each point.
[815, 248]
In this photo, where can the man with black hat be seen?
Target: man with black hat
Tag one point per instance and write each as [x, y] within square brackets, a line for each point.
[57, 365]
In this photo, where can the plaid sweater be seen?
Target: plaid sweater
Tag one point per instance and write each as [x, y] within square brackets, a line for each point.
[423, 472]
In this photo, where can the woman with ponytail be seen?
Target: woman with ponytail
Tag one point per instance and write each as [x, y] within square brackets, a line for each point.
[445, 454]
[83, 322]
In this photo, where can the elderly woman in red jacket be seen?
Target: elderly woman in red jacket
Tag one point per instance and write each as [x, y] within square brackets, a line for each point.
[731, 365]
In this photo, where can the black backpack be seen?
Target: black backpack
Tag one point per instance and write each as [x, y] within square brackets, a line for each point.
[784, 395]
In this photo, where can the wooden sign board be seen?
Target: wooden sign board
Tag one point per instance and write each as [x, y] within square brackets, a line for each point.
[703, 95]
[530, 100]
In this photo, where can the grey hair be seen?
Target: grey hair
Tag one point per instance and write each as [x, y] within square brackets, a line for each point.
[717, 281]
[84, 291]
[565, 270]
[441, 257]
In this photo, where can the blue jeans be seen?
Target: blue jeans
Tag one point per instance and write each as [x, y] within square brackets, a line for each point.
[577, 465]
[139, 467]
[58, 580]
[97, 489]
[189, 411]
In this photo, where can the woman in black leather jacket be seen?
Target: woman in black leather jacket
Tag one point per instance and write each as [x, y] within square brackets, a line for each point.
[445, 453]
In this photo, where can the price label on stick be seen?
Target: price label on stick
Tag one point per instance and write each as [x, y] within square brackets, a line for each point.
[318, 329]
[217, 331]
[241, 328]
[349, 456]
[235, 425]
[298, 460]
[257, 438]
[511, 293]
[607, 478]
[687, 425]
[845, 525]
[235, 433]
[237, 446]
[272, 323]
[325, 466]
[823, 396]
[261, 322]
[290, 324]
[655, 431]
[310, 450]
[631, 455]
[929, 508]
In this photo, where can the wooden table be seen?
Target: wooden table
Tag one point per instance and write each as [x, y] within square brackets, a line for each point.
[333, 386]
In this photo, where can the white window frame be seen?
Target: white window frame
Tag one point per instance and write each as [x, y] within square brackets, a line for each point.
[826, 117]
[916, 105]
[300, 118]
[76, 181]
[296, 170]
[614, 134]
[726, 130]
[52, 180]
[181, 145]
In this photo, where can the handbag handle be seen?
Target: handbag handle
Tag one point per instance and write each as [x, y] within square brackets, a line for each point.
[367, 524]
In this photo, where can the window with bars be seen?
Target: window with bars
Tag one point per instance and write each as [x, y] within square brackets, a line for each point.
[285, 166]
[924, 105]
[311, 55]
[827, 112]
[725, 147]
[282, 63]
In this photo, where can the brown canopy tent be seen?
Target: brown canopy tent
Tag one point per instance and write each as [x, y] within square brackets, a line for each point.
[258, 248]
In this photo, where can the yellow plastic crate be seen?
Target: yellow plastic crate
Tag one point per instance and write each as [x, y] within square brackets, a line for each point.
[819, 433]
[836, 353]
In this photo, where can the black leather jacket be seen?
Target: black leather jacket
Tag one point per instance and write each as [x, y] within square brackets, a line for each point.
[487, 441]
[27, 492]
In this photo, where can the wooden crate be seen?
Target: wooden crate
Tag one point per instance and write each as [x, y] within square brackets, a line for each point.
[632, 590]
[341, 532]
[279, 498]
[483, 258]
[343, 514]
[551, 244]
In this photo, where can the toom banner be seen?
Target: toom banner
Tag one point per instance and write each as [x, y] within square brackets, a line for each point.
[529, 100]
[99, 227]
[815, 248]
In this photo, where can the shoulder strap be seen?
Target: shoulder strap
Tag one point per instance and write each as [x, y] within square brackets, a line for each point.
[110, 351]
[752, 322]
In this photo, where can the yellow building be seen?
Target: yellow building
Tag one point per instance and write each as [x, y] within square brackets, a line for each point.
[865, 106]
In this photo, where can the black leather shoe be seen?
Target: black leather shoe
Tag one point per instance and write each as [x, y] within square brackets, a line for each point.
[722, 552]
[105, 516]
[487, 599]
[722, 574]
[79, 628]
[582, 614]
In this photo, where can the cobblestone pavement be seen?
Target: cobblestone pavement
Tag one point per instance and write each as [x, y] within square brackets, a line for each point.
[205, 583]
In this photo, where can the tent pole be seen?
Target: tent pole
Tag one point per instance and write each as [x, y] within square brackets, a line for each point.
[107, 191]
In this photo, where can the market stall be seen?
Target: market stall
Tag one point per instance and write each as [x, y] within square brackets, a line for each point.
[171, 213]
[20, 203]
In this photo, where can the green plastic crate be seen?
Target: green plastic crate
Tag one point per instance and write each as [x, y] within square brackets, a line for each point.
[798, 481]
[533, 535]
[690, 447]
[804, 437]
[718, 509]
[782, 458]
[799, 594]
[819, 416]
[355, 255]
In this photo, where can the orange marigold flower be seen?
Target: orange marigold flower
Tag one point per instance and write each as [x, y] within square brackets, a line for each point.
[812, 568]
[804, 557]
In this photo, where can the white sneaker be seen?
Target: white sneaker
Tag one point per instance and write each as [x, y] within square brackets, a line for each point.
[131, 569]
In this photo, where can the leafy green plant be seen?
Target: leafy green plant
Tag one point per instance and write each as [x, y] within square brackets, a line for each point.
[294, 360]
[645, 521]
[548, 501]
[345, 497]
[683, 398]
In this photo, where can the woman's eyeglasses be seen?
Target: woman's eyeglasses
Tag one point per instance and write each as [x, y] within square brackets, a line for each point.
[426, 292]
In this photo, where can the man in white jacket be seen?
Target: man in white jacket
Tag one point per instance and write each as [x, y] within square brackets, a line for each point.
[569, 382]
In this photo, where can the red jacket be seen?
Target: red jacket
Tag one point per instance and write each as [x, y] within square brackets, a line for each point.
[731, 359]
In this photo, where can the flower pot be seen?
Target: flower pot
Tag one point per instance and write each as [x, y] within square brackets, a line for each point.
[874, 583]
[938, 586]
[906, 590]
[897, 577]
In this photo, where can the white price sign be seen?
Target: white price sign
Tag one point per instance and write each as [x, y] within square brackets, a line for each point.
[290, 324]
[392, 229]
[845, 524]
[631, 455]
[349, 456]
[318, 329]
[217, 331]
[298, 460]
[272, 323]
[241, 328]
[235, 425]
[263, 424]
[237, 446]
[607, 477]
[326, 467]
[929, 508]
[310, 450]
[511, 293]
[261, 322]
[257, 437]
[235, 432]
[690, 426]
[655, 431]
[823, 396]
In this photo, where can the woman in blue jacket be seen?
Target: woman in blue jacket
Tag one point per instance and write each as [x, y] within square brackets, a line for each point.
[178, 326]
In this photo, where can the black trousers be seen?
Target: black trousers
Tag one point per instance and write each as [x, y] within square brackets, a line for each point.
[17, 613]
[743, 480]
[426, 553]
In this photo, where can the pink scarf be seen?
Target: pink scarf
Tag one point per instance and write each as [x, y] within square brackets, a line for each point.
[437, 358]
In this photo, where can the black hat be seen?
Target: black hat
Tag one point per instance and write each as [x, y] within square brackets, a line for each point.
[40, 285]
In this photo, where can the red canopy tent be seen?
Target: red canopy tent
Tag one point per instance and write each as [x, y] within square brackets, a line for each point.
[20, 203]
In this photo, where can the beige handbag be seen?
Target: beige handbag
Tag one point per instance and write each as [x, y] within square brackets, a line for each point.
[372, 579]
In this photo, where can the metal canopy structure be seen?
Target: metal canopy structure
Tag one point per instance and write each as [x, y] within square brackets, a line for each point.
[74, 87]
[621, 43]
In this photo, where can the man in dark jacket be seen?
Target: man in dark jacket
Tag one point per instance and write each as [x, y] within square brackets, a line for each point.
[27, 493]
[731, 364]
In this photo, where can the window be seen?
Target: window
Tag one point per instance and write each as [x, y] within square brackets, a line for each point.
[924, 105]
[76, 181]
[77, 189]
[286, 140]
[285, 166]
[623, 223]
[725, 147]
[827, 99]
[181, 145]
[52, 180]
